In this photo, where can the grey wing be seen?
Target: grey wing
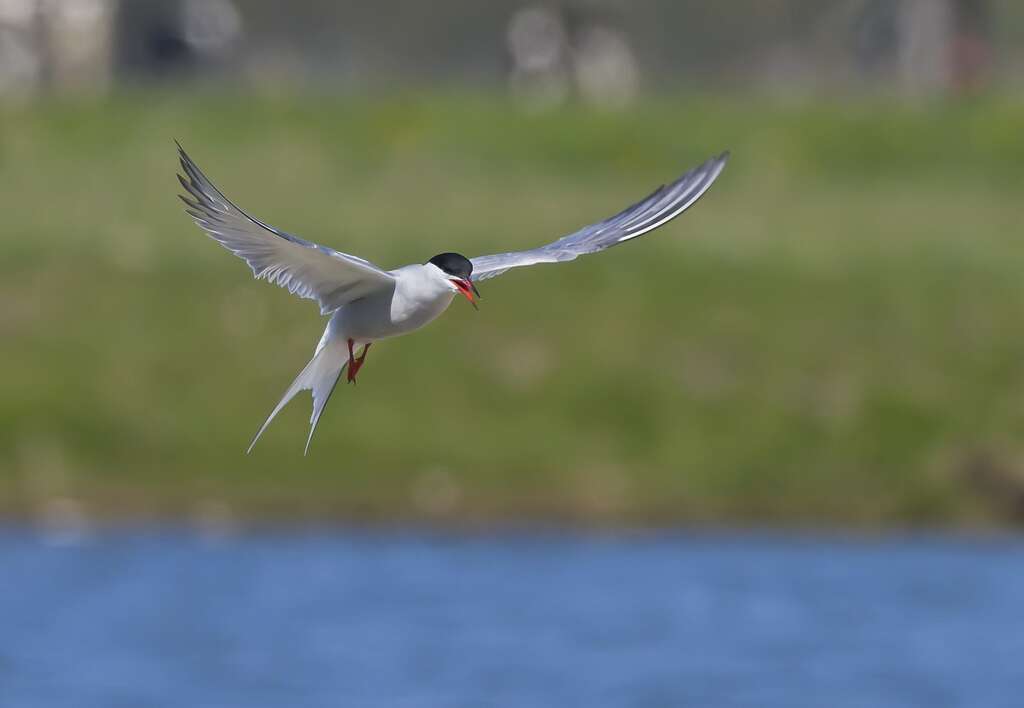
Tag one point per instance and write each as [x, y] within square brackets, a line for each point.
[663, 205]
[306, 269]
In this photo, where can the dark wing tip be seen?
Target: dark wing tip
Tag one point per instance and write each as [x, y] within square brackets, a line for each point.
[182, 155]
[187, 163]
[190, 167]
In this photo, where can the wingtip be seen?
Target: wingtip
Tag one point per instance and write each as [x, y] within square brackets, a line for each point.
[187, 163]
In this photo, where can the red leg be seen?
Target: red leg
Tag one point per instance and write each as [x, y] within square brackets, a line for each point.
[350, 374]
[354, 364]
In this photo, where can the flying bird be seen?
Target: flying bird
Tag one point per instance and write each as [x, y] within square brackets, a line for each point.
[367, 303]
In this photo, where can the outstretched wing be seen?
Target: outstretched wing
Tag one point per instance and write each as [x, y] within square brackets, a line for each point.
[306, 269]
[665, 204]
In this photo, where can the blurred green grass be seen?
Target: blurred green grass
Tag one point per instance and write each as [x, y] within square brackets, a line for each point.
[833, 336]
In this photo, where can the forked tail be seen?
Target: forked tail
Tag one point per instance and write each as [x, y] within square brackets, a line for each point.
[320, 376]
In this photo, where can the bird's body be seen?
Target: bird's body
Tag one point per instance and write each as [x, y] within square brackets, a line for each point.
[367, 303]
[420, 295]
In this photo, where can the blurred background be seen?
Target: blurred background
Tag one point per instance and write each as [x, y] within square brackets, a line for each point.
[770, 455]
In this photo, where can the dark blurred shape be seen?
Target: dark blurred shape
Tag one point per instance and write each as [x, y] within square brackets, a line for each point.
[876, 36]
[175, 38]
[150, 40]
[972, 53]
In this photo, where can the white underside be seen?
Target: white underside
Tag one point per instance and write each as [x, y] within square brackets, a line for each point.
[419, 295]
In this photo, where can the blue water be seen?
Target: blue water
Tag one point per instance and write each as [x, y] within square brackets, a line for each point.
[389, 619]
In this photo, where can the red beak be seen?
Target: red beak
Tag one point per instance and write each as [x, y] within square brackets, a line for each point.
[468, 289]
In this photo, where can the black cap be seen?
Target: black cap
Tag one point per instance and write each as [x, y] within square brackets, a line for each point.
[454, 264]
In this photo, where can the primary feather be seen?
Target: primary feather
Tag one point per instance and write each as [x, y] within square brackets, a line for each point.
[657, 209]
[302, 267]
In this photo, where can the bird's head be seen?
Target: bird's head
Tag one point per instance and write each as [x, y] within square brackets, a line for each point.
[458, 272]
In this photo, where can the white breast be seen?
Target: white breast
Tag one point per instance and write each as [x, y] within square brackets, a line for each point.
[420, 295]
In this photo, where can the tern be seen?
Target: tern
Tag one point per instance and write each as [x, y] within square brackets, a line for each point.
[367, 303]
